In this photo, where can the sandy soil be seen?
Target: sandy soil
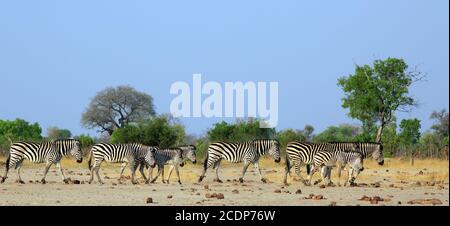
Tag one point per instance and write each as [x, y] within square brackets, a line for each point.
[396, 185]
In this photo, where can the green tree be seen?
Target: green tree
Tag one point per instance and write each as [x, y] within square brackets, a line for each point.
[410, 136]
[440, 127]
[341, 133]
[86, 140]
[117, 107]
[18, 130]
[242, 130]
[374, 93]
[55, 133]
[290, 135]
[162, 131]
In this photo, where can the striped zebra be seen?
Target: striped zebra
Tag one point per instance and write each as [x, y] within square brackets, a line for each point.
[248, 152]
[131, 154]
[188, 153]
[301, 153]
[46, 152]
[174, 156]
[328, 159]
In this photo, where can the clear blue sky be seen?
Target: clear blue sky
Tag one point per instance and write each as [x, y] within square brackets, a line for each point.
[55, 55]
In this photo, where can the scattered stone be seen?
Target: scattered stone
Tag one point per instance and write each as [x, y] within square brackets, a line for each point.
[235, 191]
[198, 194]
[318, 197]
[58, 201]
[425, 202]
[387, 171]
[391, 185]
[107, 178]
[421, 172]
[114, 184]
[376, 185]
[298, 192]
[399, 203]
[364, 198]
[206, 187]
[373, 202]
[333, 204]
[149, 200]
[323, 186]
[220, 196]
[440, 187]
[170, 196]
[277, 191]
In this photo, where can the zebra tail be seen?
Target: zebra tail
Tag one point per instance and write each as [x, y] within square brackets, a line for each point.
[288, 164]
[90, 161]
[7, 162]
[205, 164]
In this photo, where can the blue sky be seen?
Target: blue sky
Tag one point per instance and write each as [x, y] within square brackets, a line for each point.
[55, 55]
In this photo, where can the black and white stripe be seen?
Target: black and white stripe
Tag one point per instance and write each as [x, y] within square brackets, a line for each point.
[46, 152]
[246, 152]
[328, 159]
[130, 154]
[188, 153]
[302, 153]
[173, 156]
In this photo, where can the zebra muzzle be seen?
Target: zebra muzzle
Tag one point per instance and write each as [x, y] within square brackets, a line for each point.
[80, 161]
[278, 160]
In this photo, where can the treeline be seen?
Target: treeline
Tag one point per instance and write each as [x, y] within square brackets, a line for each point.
[403, 139]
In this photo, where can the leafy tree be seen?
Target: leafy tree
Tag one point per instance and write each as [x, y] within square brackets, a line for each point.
[117, 107]
[85, 140]
[163, 131]
[410, 135]
[242, 130]
[290, 135]
[374, 93]
[341, 133]
[57, 133]
[18, 130]
[440, 127]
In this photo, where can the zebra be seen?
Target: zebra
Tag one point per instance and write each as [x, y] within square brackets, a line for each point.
[248, 152]
[372, 150]
[50, 152]
[188, 153]
[131, 154]
[299, 153]
[163, 157]
[327, 159]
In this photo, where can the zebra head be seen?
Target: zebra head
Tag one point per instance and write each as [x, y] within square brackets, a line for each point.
[73, 147]
[358, 161]
[150, 156]
[189, 153]
[274, 150]
[377, 154]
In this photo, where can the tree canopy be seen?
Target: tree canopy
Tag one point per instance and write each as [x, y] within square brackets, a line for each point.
[115, 108]
[374, 93]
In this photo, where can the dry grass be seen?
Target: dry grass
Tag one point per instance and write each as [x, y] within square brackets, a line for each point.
[424, 170]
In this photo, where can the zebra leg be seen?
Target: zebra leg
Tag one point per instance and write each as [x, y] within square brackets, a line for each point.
[217, 166]
[339, 171]
[170, 173]
[244, 170]
[178, 174]
[18, 167]
[351, 179]
[122, 169]
[47, 168]
[95, 169]
[141, 170]
[159, 174]
[58, 165]
[311, 173]
[133, 168]
[256, 165]
[150, 172]
[324, 172]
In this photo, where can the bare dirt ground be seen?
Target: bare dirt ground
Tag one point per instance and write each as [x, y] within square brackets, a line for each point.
[396, 183]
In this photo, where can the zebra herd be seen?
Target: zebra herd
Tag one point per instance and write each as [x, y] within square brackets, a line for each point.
[316, 156]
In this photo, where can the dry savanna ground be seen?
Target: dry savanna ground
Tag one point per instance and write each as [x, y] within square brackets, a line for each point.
[395, 183]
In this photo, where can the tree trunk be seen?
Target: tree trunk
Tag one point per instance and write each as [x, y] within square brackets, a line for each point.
[412, 159]
[380, 133]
